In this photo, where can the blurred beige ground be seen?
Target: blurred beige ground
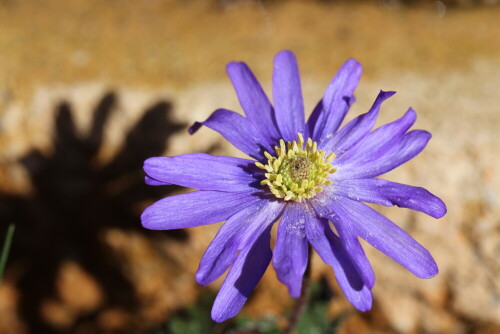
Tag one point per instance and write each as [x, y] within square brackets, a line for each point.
[443, 61]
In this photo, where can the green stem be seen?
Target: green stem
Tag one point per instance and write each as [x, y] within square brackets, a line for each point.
[301, 302]
[6, 248]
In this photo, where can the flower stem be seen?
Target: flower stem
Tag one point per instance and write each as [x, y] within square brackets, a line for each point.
[301, 302]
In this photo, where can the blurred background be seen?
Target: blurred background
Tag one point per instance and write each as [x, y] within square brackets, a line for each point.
[91, 88]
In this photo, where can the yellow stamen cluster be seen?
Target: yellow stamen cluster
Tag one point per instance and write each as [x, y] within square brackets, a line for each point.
[297, 173]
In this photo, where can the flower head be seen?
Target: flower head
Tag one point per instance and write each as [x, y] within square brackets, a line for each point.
[304, 175]
[297, 173]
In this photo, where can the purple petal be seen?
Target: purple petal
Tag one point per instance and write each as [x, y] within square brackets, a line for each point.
[382, 234]
[237, 233]
[356, 129]
[331, 251]
[238, 131]
[203, 171]
[336, 102]
[287, 96]
[241, 280]
[388, 193]
[378, 142]
[353, 247]
[253, 100]
[291, 250]
[194, 209]
[153, 182]
[409, 146]
[313, 118]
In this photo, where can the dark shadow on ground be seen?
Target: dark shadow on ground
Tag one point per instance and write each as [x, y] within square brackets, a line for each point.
[75, 198]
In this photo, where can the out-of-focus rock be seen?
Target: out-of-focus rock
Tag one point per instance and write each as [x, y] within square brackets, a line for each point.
[77, 289]
[9, 299]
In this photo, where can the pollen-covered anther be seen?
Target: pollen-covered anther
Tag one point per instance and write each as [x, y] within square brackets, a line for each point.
[297, 171]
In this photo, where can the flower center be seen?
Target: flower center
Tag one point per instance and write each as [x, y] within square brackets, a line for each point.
[297, 173]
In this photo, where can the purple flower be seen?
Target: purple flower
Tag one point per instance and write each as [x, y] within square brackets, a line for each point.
[304, 174]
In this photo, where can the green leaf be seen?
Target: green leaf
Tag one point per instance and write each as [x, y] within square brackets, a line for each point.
[315, 320]
[6, 249]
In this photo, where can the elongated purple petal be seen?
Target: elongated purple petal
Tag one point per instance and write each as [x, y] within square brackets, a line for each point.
[291, 250]
[409, 146]
[287, 96]
[382, 234]
[309, 128]
[153, 182]
[243, 277]
[353, 247]
[388, 193]
[203, 171]
[238, 131]
[237, 233]
[356, 129]
[406, 149]
[194, 209]
[337, 99]
[378, 142]
[332, 252]
[254, 100]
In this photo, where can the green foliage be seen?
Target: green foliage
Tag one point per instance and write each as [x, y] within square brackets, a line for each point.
[244, 324]
[196, 318]
[314, 320]
[6, 249]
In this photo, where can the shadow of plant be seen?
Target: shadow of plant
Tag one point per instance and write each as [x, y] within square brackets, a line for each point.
[74, 199]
